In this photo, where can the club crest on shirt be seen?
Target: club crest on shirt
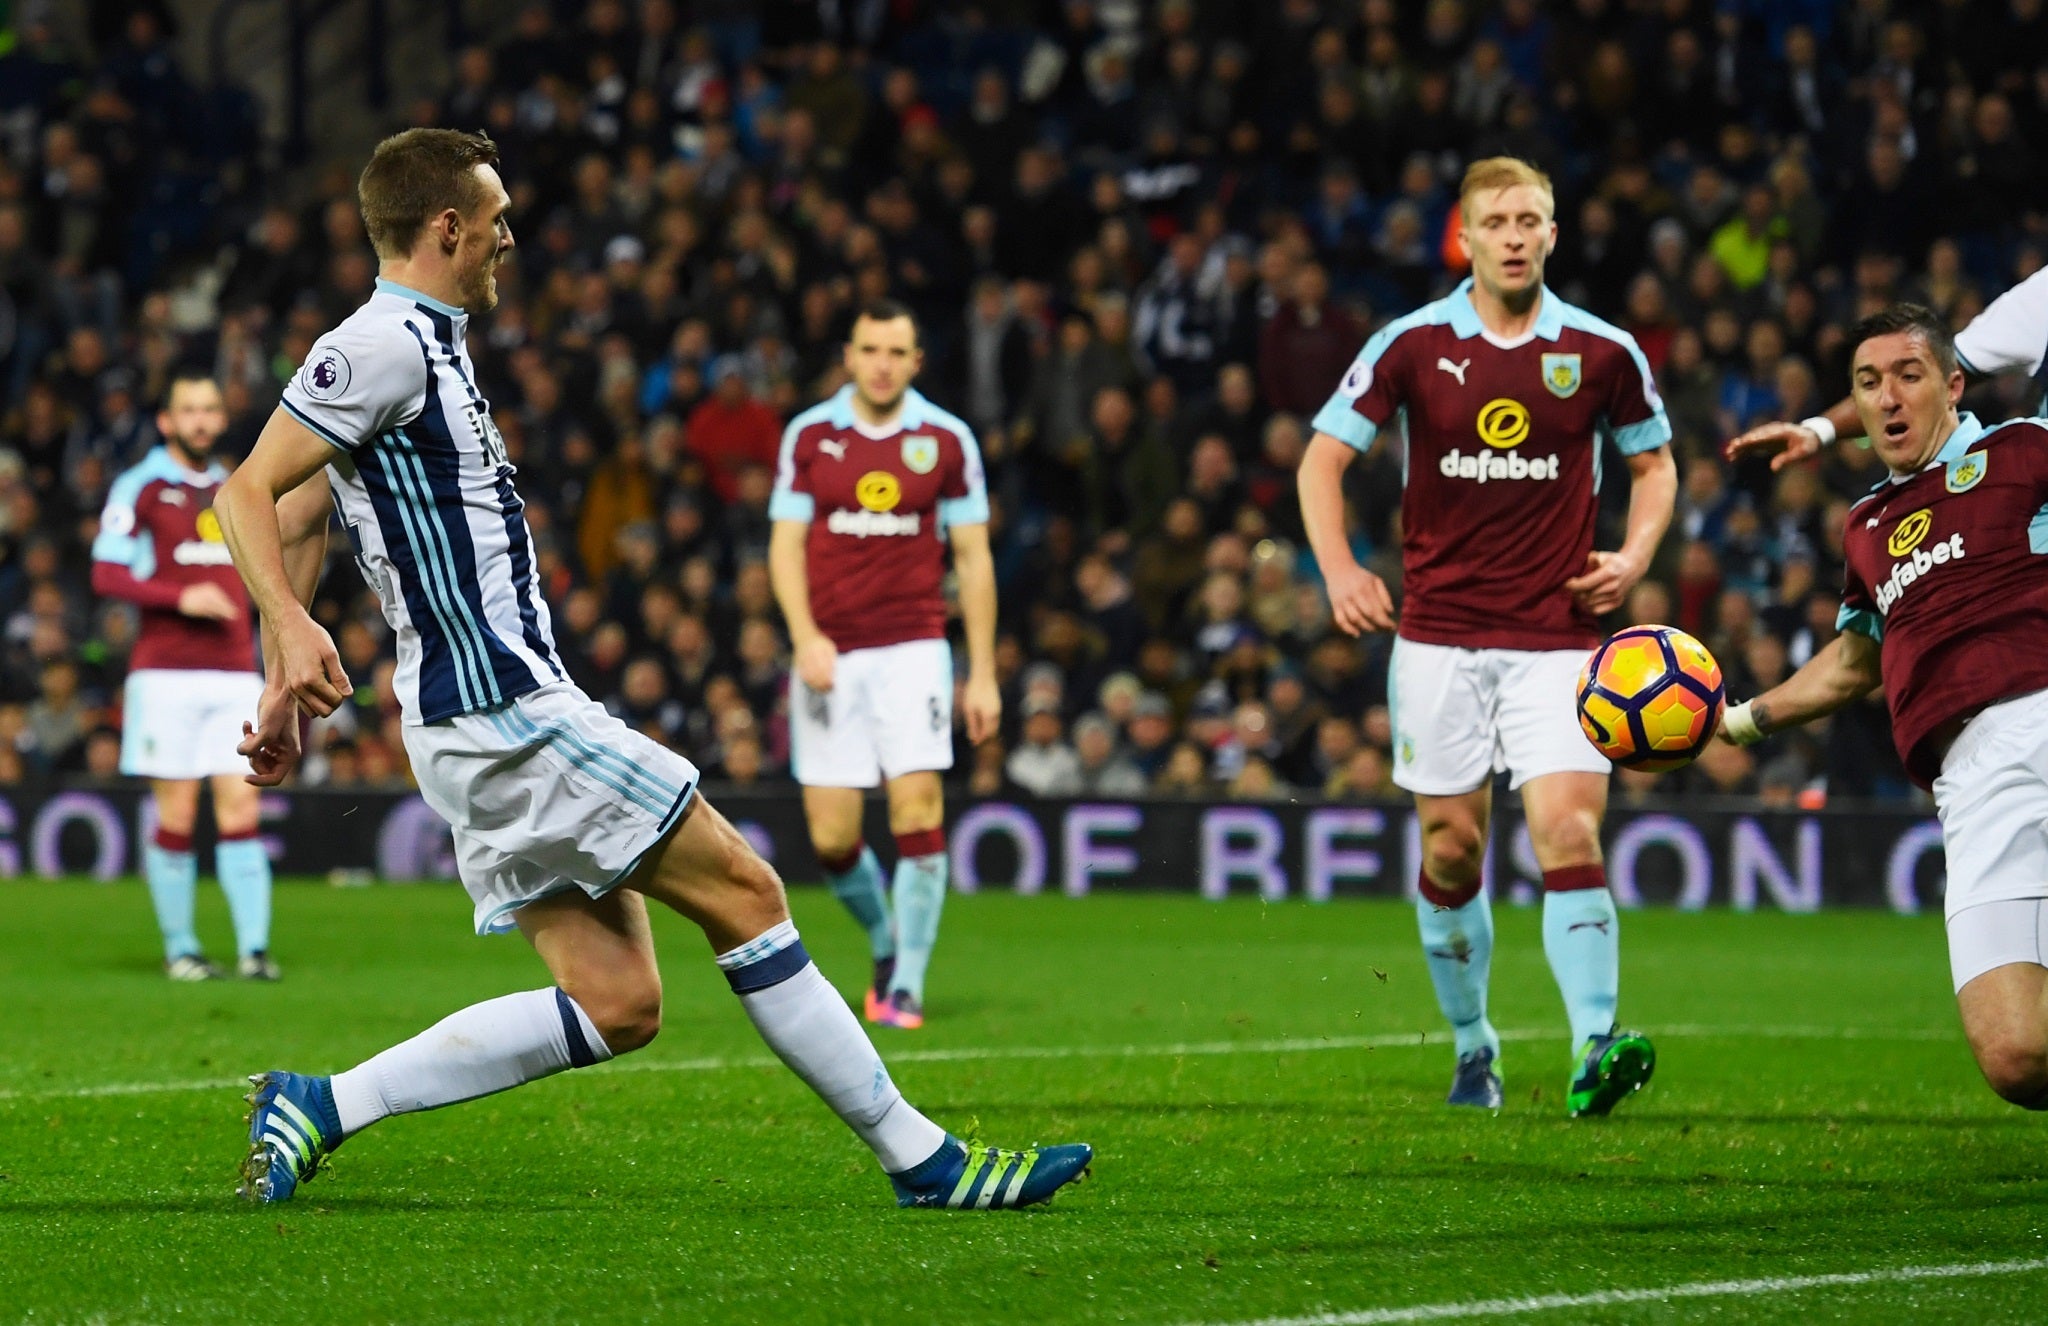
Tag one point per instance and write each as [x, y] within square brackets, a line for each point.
[1967, 471]
[1561, 375]
[921, 453]
[326, 374]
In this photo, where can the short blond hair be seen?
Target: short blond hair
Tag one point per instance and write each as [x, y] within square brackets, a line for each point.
[1496, 173]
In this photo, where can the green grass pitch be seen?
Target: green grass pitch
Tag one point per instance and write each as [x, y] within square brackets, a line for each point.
[1270, 1134]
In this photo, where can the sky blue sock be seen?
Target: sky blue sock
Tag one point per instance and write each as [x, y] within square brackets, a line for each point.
[173, 880]
[860, 888]
[244, 869]
[1582, 939]
[1458, 944]
[920, 897]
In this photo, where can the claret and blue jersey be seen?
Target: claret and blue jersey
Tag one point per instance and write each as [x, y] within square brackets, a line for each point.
[1948, 571]
[425, 489]
[1500, 457]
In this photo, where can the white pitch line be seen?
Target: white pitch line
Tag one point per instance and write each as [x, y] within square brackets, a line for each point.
[1607, 1298]
[1169, 1050]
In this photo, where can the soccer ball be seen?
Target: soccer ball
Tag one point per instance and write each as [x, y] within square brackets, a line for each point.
[1650, 697]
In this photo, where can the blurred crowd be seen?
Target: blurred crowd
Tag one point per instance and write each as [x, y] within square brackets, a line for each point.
[1143, 239]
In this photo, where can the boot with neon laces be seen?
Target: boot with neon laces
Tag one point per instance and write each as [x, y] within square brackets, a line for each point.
[1611, 1068]
[903, 1011]
[293, 1127]
[975, 1176]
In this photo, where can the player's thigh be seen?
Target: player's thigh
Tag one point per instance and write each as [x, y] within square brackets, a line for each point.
[1992, 797]
[547, 793]
[1537, 714]
[1441, 701]
[2001, 1005]
[237, 804]
[1563, 811]
[829, 741]
[177, 803]
[601, 953]
[707, 871]
[834, 815]
[917, 802]
[909, 703]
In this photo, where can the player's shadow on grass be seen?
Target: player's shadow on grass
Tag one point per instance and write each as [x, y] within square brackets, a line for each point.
[1847, 1119]
[213, 1204]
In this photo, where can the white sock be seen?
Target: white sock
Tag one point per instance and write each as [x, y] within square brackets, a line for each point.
[811, 1029]
[484, 1048]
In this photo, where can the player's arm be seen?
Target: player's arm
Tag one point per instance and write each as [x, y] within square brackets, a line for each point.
[2008, 336]
[1359, 600]
[816, 655]
[252, 510]
[1848, 669]
[115, 553]
[974, 567]
[1652, 494]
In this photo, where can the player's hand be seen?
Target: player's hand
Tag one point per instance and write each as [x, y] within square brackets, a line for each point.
[1793, 443]
[983, 701]
[207, 601]
[271, 743]
[816, 660]
[1359, 600]
[1608, 579]
[310, 668]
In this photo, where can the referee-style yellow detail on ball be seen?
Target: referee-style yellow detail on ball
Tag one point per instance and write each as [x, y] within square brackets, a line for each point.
[878, 490]
[1910, 532]
[209, 526]
[1503, 423]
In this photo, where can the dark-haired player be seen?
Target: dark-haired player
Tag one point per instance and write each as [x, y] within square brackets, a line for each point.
[1501, 397]
[872, 487]
[1945, 604]
[566, 820]
[192, 678]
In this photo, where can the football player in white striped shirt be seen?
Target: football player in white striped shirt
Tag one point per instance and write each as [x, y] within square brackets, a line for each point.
[565, 819]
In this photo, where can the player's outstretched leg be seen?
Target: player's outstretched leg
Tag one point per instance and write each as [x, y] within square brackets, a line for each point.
[856, 880]
[710, 874]
[296, 1121]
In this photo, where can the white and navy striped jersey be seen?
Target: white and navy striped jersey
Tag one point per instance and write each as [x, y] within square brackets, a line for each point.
[2011, 335]
[423, 485]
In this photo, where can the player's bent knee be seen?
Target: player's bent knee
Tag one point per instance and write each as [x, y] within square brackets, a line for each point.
[1451, 853]
[2016, 1069]
[627, 1019]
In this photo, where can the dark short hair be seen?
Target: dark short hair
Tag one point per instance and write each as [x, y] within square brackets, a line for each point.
[1905, 317]
[416, 175]
[180, 376]
[885, 310]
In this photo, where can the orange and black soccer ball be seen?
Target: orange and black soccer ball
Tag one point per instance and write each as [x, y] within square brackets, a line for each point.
[1650, 698]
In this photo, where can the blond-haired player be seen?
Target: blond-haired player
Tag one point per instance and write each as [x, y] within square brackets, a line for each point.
[1502, 399]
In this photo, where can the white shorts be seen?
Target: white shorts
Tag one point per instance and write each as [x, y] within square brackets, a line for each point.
[546, 793]
[1460, 715]
[182, 723]
[889, 712]
[1992, 797]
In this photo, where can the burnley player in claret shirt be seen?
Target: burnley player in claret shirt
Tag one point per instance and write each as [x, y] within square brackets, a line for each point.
[874, 485]
[1502, 400]
[192, 678]
[1945, 604]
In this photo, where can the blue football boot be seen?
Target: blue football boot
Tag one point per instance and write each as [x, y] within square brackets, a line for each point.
[292, 1128]
[974, 1175]
[1475, 1082]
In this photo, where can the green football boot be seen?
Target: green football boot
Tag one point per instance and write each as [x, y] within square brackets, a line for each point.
[1611, 1068]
